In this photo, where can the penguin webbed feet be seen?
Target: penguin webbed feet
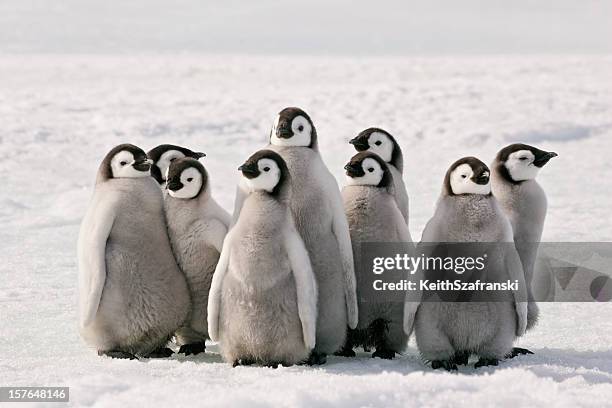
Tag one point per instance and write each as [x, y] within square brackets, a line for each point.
[517, 351]
[461, 357]
[192, 348]
[243, 362]
[345, 351]
[162, 352]
[384, 353]
[484, 362]
[316, 358]
[118, 354]
[448, 365]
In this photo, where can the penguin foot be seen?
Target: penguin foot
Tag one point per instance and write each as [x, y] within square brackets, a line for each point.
[316, 358]
[117, 354]
[448, 365]
[243, 362]
[483, 362]
[384, 354]
[517, 351]
[367, 349]
[345, 352]
[461, 358]
[162, 352]
[192, 348]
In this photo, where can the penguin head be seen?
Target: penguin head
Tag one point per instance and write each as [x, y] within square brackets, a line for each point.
[265, 171]
[165, 154]
[125, 161]
[468, 176]
[380, 142]
[293, 127]
[520, 162]
[368, 169]
[187, 178]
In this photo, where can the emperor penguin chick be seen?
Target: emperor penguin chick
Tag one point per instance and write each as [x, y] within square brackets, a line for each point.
[448, 332]
[132, 294]
[316, 206]
[262, 306]
[163, 155]
[524, 202]
[373, 216]
[384, 144]
[197, 226]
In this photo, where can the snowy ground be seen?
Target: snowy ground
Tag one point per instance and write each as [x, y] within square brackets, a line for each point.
[59, 115]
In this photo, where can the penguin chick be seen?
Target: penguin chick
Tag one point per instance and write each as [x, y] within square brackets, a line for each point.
[524, 203]
[316, 206]
[165, 154]
[262, 306]
[124, 254]
[448, 332]
[384, 144]
[197, 226]
[373, 216]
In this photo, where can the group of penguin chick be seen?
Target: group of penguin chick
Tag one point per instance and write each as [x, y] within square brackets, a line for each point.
[276, 283]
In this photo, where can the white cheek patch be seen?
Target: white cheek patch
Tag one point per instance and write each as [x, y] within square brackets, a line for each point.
[191, 179]
[461, 182]
[165, 159]
[267, 179]
[521, 170]
[121, 166]
[370, 178]
[299, 138]
[385, 147]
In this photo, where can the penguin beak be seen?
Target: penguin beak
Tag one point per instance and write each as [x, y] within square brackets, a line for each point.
[174, 185]
[354, 170]
[198, 155]
[142, 164]
[542, 158]
[249, 170]
[284, 131]
[482, 179]
[360, 145]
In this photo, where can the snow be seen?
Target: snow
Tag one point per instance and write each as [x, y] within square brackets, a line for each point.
[60, 114]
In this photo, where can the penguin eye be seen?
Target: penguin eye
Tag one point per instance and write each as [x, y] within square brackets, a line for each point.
[190, 179]
[378, 143]
[463, 176]
[371, 169]
[522, 158]
[123, 163]
[301, 128]
[172, 159]
[266, 168]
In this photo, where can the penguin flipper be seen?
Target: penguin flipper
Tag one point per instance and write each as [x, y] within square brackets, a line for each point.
[94, 233]
[305, 282]
[515, 272]
[241, 195]
[340, 229]
[216, 286]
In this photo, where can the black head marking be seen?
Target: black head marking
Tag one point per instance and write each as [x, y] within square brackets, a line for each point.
[354, 168]
[250, 168]
[285, 119]
[105, 171]
[177, 167]
[541, 157]
[480, 173]
[156, 153]
[361, 143]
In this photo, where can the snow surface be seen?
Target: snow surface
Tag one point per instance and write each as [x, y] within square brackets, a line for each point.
[59, 115]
